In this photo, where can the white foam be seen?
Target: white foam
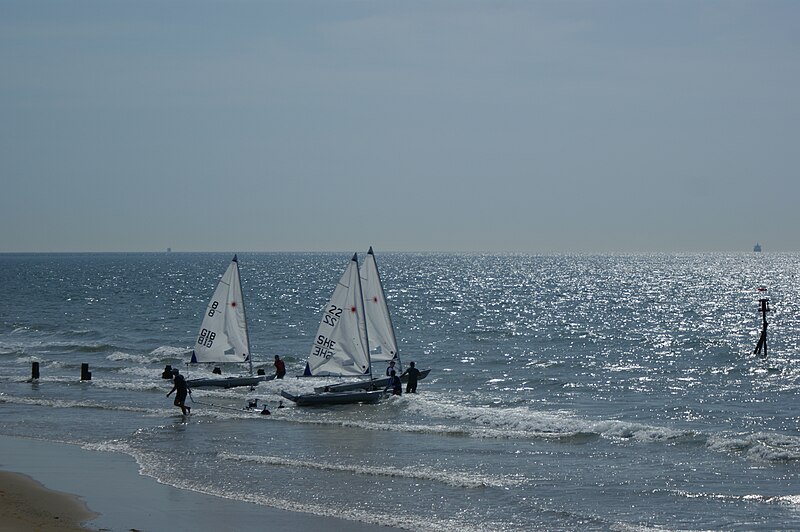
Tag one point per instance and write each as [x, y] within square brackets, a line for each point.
[525, 422]
[458, 479]
[762, 446]
[62, 403]
[152, 466]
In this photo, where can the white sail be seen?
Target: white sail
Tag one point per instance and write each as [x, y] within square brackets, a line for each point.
[223, 333]
[341, 346]
[382, 341]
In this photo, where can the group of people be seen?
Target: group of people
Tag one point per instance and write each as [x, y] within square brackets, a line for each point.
[395, 383]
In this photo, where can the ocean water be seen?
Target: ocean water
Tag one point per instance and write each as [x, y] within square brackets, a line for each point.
[592, 392]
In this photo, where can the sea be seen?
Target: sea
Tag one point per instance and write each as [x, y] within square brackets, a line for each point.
[566, 392]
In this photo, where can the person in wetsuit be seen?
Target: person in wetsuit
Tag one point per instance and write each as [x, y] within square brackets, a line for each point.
[394, 384]
[413, 376]
[280, 368]
[179, 384]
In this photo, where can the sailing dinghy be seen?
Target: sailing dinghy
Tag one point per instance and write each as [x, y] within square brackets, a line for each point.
[341, 345]
[382, 339]
[223, 333]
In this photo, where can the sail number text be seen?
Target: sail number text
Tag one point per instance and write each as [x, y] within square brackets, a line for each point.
[324, 347]
[206, 338]
[213, 309]
[332, 315]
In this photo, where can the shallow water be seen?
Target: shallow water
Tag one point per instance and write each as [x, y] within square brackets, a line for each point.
[572, 391]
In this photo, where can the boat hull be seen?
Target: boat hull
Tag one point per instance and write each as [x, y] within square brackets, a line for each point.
[375, 384]
[227, 382]
[335, 398]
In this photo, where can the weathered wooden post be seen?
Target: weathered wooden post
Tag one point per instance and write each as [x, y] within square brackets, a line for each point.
[34, 371]
[762, 341]
[86, 375]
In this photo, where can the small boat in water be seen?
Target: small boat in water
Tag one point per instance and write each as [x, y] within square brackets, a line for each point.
[341, 345]
[223, 335]
[374, 384]
[227, 382]
[335, 398]
[382, 339]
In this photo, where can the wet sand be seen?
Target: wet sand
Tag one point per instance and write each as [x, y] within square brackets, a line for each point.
[26, 505]
[120, 499]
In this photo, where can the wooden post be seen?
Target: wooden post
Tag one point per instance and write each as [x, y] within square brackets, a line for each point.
[762, 341]
[86, 375]
[34, 371]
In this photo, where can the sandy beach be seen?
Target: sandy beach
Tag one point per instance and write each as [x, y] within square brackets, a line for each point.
[27, 505]
[48, 486]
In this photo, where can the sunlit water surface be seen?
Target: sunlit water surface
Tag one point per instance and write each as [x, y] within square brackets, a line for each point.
[608, 392]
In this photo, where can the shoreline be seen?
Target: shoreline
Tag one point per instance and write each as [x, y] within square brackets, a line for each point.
[73, 489]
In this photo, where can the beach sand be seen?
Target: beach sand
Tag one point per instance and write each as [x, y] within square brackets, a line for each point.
[26, 505]
[120, 499]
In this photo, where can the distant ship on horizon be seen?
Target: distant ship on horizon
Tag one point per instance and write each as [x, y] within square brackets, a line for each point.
[757, 248]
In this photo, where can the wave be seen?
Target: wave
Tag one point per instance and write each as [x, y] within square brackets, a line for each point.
[154, 466]
[787, 500]
[162, 354]
[73, 347]
[63, 403]
[59, 347]
[167, 352]
[523, 422]
[761, 446]
[457, 479]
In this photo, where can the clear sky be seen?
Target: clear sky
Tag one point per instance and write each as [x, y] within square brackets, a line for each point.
[585, 126]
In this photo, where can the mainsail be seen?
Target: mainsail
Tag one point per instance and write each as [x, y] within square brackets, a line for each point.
[382, 340]
[341, 346]
[223, 333]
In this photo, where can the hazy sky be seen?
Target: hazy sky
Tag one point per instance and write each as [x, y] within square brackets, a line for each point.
[554, 126]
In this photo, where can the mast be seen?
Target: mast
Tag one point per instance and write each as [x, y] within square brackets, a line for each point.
[244, 313]
[363, 312]
[388, 313]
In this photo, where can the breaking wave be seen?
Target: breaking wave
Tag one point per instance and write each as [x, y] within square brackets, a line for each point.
[457, 479]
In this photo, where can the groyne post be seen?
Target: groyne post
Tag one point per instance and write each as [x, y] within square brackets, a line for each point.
[762, 341]
[86, 375]
[34, 371]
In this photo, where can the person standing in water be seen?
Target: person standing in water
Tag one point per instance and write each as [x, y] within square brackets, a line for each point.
[179, 384]
[394, 384]
[413, 376]
[280, 368]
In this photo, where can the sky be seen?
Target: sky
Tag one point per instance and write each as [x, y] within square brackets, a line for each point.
[332, 125]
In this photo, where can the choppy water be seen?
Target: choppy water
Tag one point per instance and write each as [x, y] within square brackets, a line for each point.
[607, 392]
